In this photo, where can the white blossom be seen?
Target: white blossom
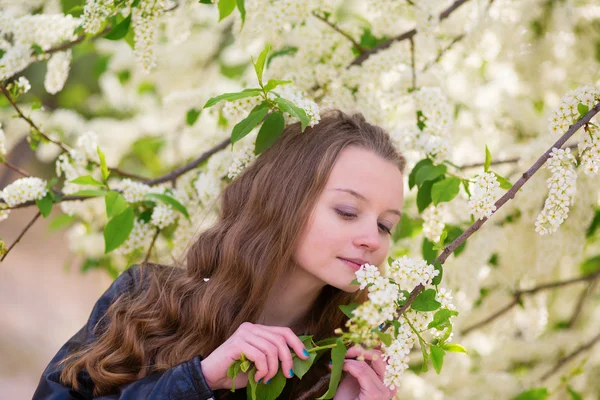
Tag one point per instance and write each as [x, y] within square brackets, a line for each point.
[409, 273]
[485, 190]
[433, 224]
[133, 191]
[243, 158]
[58, 71]
[139, 238]
[366, 275]
[24, 190]
[567, 111]
[95, 13]
[163, 215]
[145, 19]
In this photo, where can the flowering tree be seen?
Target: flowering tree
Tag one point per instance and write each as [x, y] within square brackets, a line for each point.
[490, 101]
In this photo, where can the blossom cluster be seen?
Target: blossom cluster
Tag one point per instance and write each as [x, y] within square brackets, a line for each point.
[567, 111]
[139, 238]
[561, 187]
[409, 273]
[589, 149]
[24, 190]
[95, 13]
[243, 158]
[292, 93]
[485, 190]
[433, 224]
[146, 18]
[163, 215]
[58, 71]
[19, 87]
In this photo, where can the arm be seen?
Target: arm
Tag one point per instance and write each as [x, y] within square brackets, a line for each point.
[184, 381]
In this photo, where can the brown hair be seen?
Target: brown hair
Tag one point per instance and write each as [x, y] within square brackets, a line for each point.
[175, 315]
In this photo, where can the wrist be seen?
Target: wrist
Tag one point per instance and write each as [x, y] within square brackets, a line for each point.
[210, 381]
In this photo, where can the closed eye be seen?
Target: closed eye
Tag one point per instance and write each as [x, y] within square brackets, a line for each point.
[346, 215]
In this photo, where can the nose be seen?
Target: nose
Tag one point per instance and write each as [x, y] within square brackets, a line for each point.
[368, 237]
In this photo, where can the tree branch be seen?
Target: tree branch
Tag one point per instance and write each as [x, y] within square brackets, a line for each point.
[333, 26]
[18, 170]
[580, 301]
[79, 39]
[151, 245]
[412, 63]
[443, 51]
[564, 360]
[37, 215]
[404, 36]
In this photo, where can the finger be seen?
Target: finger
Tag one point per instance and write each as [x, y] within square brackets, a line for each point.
[271, 354]
[284, 352]
[291, 339]
[368, 380]
[374, 358]
[255, 355]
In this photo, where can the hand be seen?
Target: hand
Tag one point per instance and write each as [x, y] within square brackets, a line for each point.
[364, 380]
[264, 345]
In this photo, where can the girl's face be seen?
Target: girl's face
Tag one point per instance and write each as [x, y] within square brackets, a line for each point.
[351, 222]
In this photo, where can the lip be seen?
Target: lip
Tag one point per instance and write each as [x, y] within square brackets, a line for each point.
[354, 263]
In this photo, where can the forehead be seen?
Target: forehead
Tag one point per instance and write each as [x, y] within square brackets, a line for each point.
[365, 172]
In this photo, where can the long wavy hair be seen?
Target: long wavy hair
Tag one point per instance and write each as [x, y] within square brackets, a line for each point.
[175, 315]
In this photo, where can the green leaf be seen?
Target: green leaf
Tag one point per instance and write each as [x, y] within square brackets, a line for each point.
[242, 8]
[590, 265]
[61, 221]
[226, 7]
[87, 180]
[407, 227]
[424, 195]
[272, 390]
[573, 394]
[441, 319]
[488, 160]
[429, 173]
[453, 233]
[103, 167]
[301, 366]
[412, 176]
[245, 365]
[290, 108]
[338, 354]
[192, 116]
[504, 183]
[270, 130]
[259, 65]
[206, 2]
[437, 358]
[45, 204]
[242, 128]
[533, 394]
[583, 109]
[287, 50]
[438, 279]
[115, 203]
[421, 120]
[88, 193]
[273, 83]
[454, 348]
[354, 282]
[233, 96]
[445, 190]
[119, 31]
[232, 372]
[348, 308]
[426, 301]
[117, 230]
[386, 338]
[593, 225]
[165, 198]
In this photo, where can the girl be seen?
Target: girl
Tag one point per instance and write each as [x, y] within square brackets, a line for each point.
[293, 229]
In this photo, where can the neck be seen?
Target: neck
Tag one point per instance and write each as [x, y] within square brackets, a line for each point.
[291, 299]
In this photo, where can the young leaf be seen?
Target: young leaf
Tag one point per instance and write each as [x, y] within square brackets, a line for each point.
[272, 390]
[301, 366]
[488, 159]
[385, 338]
[424, 195]
[242, 8]
[429, 173]
[87, 180]
[273, 83]
[117, 230]
[103, 167]
[88, 193]
[412, 176]
[233, 96]
[504, 183]
[445, 190]
[226, 7]
[429, 253]
[119, 31]
[165, 198]
[533, 394]
[426, 301]
[583, 109]
[438, 278]
[115, 203]
[232, 372]
[437, 358]
[192, 116]
[45, 204]
[259, 65]
[441, 319]
[455, 348]
[574, 394]
[348, 308]
[247, 124]
[270, 130]
[61, 221]
[290, 108]
[338, 354]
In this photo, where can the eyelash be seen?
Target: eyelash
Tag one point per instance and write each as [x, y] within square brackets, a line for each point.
[349, 215]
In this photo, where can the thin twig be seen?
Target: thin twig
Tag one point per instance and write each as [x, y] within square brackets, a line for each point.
[333, 26]
[15, 168]
[564, 360]
[404, 36]
[151, 245]
[79, 39]
[37, 215]
[412, 63]
[580, 302]
[443, 51]
[518, 295]
[505, 161]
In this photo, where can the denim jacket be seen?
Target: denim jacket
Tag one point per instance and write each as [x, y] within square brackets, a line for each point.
[182, 381]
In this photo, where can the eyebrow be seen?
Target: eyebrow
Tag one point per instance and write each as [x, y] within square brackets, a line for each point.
[363, 198]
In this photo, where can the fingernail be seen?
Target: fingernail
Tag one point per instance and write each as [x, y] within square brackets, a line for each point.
[260, 380]
[291, 372]
[268, 381]
[330, 363]
[306, 353]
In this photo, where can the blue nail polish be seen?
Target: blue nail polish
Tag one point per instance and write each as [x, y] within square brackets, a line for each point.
[260, 380]
[330, 362]
[268, 382]
[291, 373]
[306, 353]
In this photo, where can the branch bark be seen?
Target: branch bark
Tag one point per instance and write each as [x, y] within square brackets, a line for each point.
[356, 45]
[564, 360]
[29, 225]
